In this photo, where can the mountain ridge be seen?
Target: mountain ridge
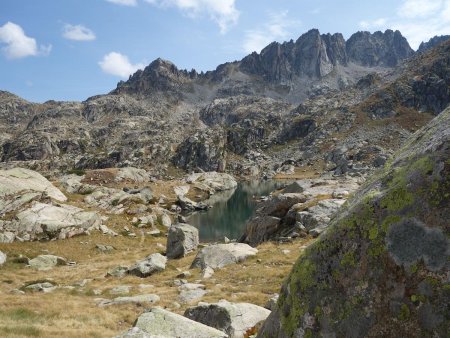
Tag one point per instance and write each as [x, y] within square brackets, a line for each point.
[285, 67]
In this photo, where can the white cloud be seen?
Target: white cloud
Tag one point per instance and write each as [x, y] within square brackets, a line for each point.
[124, 2]
[17, 44]
[417, 20]
[78, 33]
[118, 64]
[377, 23]
[418, 32]
[276, 29]
[419, 8]
[223, 12]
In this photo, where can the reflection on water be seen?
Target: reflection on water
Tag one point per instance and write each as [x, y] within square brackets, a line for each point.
[231, 210]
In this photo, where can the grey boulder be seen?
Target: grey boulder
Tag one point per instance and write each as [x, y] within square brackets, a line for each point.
[181, 240]
[158, 322]
[46, 262]
[232, 318]
[150, 265]
[45, 221]
[219, 255]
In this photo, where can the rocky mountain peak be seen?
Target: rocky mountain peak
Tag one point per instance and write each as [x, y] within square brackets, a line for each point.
[378, 49]
[312, 55]
[288, 65]
[160, 75]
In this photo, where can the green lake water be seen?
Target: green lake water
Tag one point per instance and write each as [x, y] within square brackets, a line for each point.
[231, 210]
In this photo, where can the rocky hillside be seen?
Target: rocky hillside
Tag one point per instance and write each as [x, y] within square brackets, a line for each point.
[244, 117]
[382, 267]
[434, 41]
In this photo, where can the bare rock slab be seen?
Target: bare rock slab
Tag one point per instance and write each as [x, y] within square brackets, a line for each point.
[56, 221]
[17, 180]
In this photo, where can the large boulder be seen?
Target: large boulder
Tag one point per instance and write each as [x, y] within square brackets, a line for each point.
[266, 223]
[232, 318]
[219, 255]
[45, 221]
[382, 267]
[150, 265]
[46, 262]
[181, 240]
[157, 322]
[260, 229]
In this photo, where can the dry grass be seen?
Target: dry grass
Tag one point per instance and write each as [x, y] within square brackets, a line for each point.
[72, 312]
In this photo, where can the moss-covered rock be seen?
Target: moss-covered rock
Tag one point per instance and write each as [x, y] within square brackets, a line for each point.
[382, 268]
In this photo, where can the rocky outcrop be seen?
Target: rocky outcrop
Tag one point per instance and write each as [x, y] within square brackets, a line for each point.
[232, 318]
[160, 75]
[312, 55]
[181, 240]
[434, 41]
[19, 186]
[216, 256]
[422, 86]
[378, 49]
[382, 268]
[44, 221]
[157, 322]
[303, 207]
[204, 150]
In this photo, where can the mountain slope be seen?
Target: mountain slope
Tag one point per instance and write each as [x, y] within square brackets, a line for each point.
[243, 117]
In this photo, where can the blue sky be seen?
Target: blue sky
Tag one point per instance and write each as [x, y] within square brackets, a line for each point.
[73, 49]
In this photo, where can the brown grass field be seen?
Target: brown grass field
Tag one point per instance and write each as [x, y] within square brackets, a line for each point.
[72, 311]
